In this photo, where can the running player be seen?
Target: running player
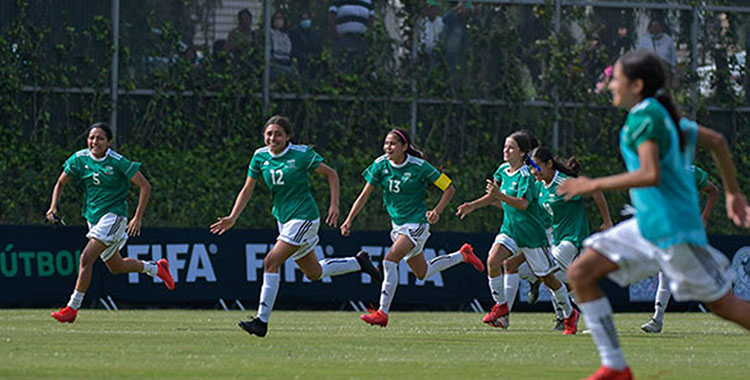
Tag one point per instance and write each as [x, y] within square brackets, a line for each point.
[570, 225]
[286, 168]
[104, 175]
[522, 233]
[655, 323]
[666, 233]
[403, 177]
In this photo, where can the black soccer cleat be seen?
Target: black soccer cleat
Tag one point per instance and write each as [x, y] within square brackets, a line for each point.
[363, 258]
[533, 295]
[254, 327]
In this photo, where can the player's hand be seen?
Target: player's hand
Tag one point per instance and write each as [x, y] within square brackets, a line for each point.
[576, 186]
[51, 214]
[134, 227]
[738, 210]
[433, 216]
[333, 215]
[465, 209]
[222, 225]
[346, 228]
[493, 189]
[606, 225]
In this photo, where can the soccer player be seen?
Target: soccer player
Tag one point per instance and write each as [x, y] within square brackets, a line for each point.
[403, 176]
[655, 324]
[522, 233]
[104, 175]
[667, 232]
[286, 168]
[570, 225]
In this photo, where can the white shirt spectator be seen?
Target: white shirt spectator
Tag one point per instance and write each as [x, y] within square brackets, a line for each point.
[430, 32]
[663, 46]
[352, 16]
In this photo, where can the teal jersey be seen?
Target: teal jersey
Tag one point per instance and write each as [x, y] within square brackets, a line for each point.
[701, 177]
[287, 176]
[104, 182]
[667, 214]
[568, 218]
[404, 187]
[526, 227]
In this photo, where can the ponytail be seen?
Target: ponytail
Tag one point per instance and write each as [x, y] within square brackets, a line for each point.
[542, 154]
[666, 101]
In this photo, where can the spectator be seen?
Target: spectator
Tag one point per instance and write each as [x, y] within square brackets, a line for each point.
[350, 21]
[622, 44]
[457, 33]
[306, 47]
[660, 43]
[430, 28]
[241, 39]
[281, 46]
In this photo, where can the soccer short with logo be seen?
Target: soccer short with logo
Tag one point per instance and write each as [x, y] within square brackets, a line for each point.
[417, 233]
[110, 230]
[301, 233]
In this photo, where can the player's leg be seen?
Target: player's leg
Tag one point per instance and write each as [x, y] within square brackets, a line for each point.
[512, 279]
[498, 316]
[117, 265]
[424, 269]
[90, 253]
[655, 324]
[402, 246]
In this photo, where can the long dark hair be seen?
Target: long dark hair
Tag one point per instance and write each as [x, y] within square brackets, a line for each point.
[103, 126]
[404, 137]
[647, 66]
[570, 168]
[526, 142]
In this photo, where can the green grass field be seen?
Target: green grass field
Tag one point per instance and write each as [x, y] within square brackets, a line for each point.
[195, 344]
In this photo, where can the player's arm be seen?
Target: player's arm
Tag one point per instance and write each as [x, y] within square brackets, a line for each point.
[485, 200]
[446, 185]
[713, 194]
[346, 227]
[737, 208]
[601, 204]
[649, 174]
[62, 180]
[226, 222]
[333, 182]
[493, 190]
[134, 227]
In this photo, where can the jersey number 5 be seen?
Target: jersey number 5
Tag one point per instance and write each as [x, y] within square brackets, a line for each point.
[96, 180]
[277, 177]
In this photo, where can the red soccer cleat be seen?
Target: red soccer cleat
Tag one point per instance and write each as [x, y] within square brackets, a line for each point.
[498, 316]
[606, 373]
[65, 314]
[378, 318]
[164, 274]
[469, 257]
[571, 323]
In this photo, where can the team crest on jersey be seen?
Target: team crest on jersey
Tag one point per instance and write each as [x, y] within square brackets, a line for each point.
[109, 170]
[291, 164]
[741, 269]
[406, 177]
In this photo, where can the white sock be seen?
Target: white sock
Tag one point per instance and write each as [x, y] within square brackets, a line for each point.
[598, 317]
[390, 282]
[268, 295]
[555, 306]
[496, 289]
[76, 299]
[662, 298]
[525, 273]
[150, 268]
[561, 297]
[337, 266]
[511, 288]
[442, 262]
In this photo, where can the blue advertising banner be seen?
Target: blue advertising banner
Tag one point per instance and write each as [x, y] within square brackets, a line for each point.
[39, 264]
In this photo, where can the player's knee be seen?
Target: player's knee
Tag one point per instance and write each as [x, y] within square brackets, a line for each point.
[577, 276]
[723, 307]
[313, 275]
[270, 265]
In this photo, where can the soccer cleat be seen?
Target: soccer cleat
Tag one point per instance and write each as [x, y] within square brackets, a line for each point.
[467, 252]
[378, 318]
[606, 373]
[254, 327]
[559, 325]
[533, 295]
[498, 316]
[65, 314]
[365, 264]
[571, 323]
[652, 326]
[164, 274]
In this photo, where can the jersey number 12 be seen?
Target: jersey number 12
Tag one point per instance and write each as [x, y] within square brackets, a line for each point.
[277, 177]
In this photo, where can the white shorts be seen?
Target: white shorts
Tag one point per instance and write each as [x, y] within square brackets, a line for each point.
[507, 242]
[300, 233]
[698, 273]
[564, 253]
[418, 233]
[540, 260]
[110, 230]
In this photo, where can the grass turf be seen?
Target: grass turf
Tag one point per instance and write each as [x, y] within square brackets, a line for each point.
[199, 344]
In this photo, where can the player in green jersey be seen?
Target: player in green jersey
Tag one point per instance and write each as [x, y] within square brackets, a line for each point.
[403, 177]
[286, 169]
[568, 220]
[666, 233]
[104, 176]
[522, 233]
[655, 323]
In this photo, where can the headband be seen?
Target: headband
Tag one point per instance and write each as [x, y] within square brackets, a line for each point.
[402, 135]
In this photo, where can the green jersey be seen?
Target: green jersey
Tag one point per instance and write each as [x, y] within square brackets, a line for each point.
[569, 221]
[287, 176]
[404, 186]
[701, 177]
[104, 182]
[526, 227]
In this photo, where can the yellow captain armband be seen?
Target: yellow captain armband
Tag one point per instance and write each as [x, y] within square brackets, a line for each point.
[443, 182]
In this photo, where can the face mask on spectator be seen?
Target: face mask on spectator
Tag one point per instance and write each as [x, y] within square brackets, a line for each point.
[655, 36]
[305, 24]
